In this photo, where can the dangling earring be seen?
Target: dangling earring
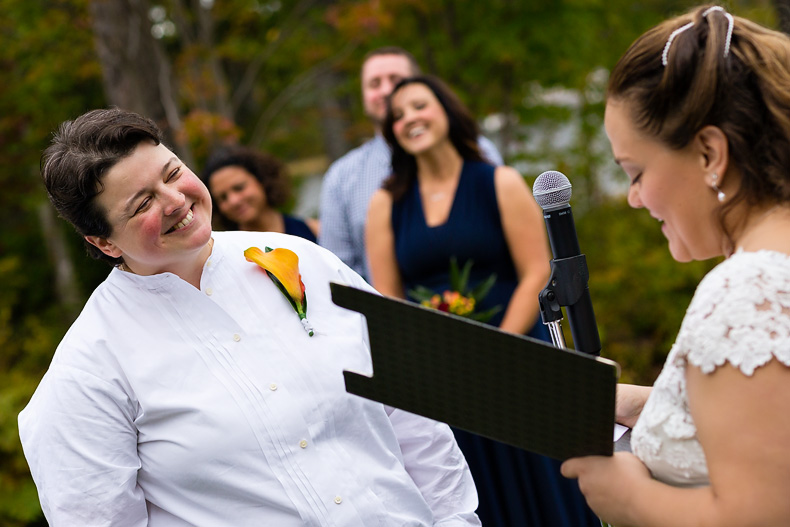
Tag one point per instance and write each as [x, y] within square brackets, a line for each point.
[719, 193]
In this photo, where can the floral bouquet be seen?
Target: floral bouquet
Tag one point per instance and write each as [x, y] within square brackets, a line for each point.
[459, 299]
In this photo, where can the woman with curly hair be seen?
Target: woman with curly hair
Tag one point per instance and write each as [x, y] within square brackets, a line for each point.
[248, 188]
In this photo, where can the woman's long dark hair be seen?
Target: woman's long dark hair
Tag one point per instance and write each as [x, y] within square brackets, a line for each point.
[463, 132]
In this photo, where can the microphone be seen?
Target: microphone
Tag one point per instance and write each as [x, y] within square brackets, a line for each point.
[568, 281]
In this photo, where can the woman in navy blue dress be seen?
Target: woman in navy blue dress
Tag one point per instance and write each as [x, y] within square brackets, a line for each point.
[445, 201]
[247, 188]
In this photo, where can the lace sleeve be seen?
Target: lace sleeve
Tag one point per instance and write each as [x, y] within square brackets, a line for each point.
[740, 314]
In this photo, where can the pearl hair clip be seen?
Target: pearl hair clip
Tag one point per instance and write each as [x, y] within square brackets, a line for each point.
[681, 29]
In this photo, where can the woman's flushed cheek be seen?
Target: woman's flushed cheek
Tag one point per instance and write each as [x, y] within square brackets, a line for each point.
[397, 129]
[151, 227]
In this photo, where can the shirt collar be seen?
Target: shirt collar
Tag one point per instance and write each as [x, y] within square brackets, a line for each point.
[164, 280]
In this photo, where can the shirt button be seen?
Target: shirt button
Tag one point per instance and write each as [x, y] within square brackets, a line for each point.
[272, 386]
[208, 263]
[236, 337]
[303, 443]
[209, 291]
[338, 500]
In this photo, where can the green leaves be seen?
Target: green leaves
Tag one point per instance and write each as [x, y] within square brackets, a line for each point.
[459, 299]
[458, 279]
[481, 290]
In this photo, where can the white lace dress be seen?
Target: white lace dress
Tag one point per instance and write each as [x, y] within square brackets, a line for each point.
[740, 314]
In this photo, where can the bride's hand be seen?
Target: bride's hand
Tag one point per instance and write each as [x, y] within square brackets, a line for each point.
[629, 403]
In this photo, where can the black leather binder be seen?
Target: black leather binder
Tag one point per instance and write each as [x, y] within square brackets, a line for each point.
[511, 388]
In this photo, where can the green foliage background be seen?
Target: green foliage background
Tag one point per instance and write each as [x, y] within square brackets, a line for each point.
[493, 53]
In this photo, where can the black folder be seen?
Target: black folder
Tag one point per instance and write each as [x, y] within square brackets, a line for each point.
[511, 388]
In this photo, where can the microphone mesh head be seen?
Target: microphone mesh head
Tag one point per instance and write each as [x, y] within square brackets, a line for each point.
[552, 190]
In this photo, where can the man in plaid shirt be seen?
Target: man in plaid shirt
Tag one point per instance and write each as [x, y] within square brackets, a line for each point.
[351, 180]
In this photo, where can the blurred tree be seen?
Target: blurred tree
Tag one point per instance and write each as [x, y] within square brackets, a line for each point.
[136, 71]
[283, 75]
[50, 73]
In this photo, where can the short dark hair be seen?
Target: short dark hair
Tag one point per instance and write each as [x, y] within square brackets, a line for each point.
[80, 155]
[267, 169]
[744, 93]
[394, 50]
[463, 132]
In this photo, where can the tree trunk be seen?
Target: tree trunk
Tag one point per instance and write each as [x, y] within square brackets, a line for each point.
[67, 288]
[135, 68]
[206, 39]
[125, 47]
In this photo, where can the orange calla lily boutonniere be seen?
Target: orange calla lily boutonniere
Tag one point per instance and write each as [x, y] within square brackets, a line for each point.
[282, 266]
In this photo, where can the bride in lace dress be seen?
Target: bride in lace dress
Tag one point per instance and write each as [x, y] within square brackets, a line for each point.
[698, 115]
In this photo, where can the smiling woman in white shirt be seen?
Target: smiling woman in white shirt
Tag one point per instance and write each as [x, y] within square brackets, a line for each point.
[188, 391]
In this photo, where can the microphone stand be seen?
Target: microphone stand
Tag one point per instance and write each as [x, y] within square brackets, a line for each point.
[567, 287]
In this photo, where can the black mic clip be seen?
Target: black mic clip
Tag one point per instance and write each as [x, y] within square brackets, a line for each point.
[565, 287]
[567, 283]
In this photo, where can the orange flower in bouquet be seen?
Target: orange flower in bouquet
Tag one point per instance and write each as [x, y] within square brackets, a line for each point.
[459, 299]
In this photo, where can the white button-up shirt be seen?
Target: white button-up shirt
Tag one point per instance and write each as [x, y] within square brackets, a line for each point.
[164, 406]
